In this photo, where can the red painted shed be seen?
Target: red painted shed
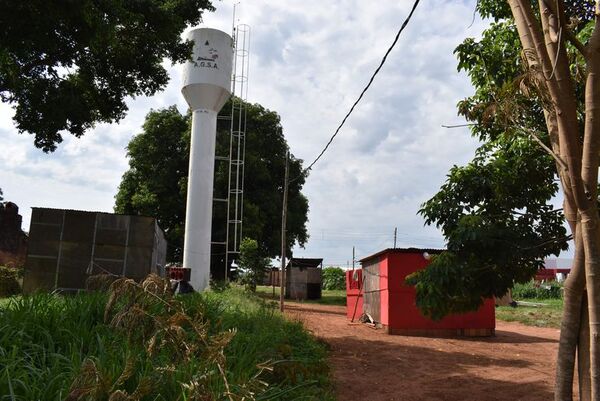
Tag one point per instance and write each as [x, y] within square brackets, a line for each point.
[550, 274]
[379, 290]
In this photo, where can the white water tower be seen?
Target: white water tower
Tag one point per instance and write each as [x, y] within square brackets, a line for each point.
[206, 88]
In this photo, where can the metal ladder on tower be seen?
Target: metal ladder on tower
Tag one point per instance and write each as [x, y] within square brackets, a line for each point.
[228, 247]
[237, 150]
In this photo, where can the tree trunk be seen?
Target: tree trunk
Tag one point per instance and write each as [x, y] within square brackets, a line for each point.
[546, 53]
[570, 326]
[589, 216]
[583, 353]
[591, 245]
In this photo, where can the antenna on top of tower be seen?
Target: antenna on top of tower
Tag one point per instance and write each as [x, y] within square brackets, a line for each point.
[233, 22]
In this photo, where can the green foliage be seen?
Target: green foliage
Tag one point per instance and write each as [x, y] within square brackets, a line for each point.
[581, 11]
[49, 343]
[495, 212]
[156, 182]
[333, 278]
[499, 225]
[67, 65]
[254, 264]
[533, 290]
[9, 282]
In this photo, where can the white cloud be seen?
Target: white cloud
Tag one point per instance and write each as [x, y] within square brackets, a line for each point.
[309, 62]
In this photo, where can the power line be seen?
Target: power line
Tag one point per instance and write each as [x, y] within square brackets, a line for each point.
[383, 60]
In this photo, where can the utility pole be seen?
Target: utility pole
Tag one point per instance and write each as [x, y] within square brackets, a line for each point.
[353, 258]
[283, 231]
[395, 236]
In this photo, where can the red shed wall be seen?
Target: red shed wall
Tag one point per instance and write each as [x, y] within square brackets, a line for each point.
[550, 274]
[354, 298]
[384, 293]
[402, 311]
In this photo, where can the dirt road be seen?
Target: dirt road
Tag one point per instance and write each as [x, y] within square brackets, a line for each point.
[369, 365]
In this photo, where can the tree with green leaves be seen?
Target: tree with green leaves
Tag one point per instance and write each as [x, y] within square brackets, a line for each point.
[66, 65]
[333, 278]
[535, 73]
[156, 182]
[254, 265]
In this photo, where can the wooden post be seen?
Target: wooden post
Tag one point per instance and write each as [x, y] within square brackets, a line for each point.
[283, 232]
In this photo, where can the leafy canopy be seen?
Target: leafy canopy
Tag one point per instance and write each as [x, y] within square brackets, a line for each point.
[66, 65]
[496, 212]
[156, 182]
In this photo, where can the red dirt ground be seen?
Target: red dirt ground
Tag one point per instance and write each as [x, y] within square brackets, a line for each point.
[369, 365]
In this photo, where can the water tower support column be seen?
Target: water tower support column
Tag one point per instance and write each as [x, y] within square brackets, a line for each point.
[198, 218]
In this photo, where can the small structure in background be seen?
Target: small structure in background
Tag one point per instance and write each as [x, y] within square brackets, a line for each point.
[554, 270]
[13, 241]
[68, 246]
[378, 292]
[303, 278]
[271, 277]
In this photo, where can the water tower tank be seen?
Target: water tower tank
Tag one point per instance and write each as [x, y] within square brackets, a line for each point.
[207, 80]
[206, 87]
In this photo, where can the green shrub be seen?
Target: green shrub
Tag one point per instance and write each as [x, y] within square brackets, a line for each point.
[253, 264]
[533, 290]
[334, 278]
[9, 282]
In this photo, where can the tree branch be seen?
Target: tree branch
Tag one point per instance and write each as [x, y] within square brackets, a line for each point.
[459, 125]
[563, 165]
[559, 11]
[550, 241]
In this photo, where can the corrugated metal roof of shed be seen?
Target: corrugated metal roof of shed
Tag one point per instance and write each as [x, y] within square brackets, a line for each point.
[305, 262]
[401, 250]
[90, 211]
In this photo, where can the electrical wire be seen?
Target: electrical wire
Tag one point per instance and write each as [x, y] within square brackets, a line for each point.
[383, 60]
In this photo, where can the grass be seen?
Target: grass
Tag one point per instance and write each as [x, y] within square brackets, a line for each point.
[4, 302]
[548, 315]
[45, 339]
[328, 297]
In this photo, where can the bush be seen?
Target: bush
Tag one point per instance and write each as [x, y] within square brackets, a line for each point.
[533, 290]
[9, 282]
[334, 278]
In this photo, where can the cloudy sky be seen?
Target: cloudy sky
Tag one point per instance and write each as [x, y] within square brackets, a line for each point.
[309, 61]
